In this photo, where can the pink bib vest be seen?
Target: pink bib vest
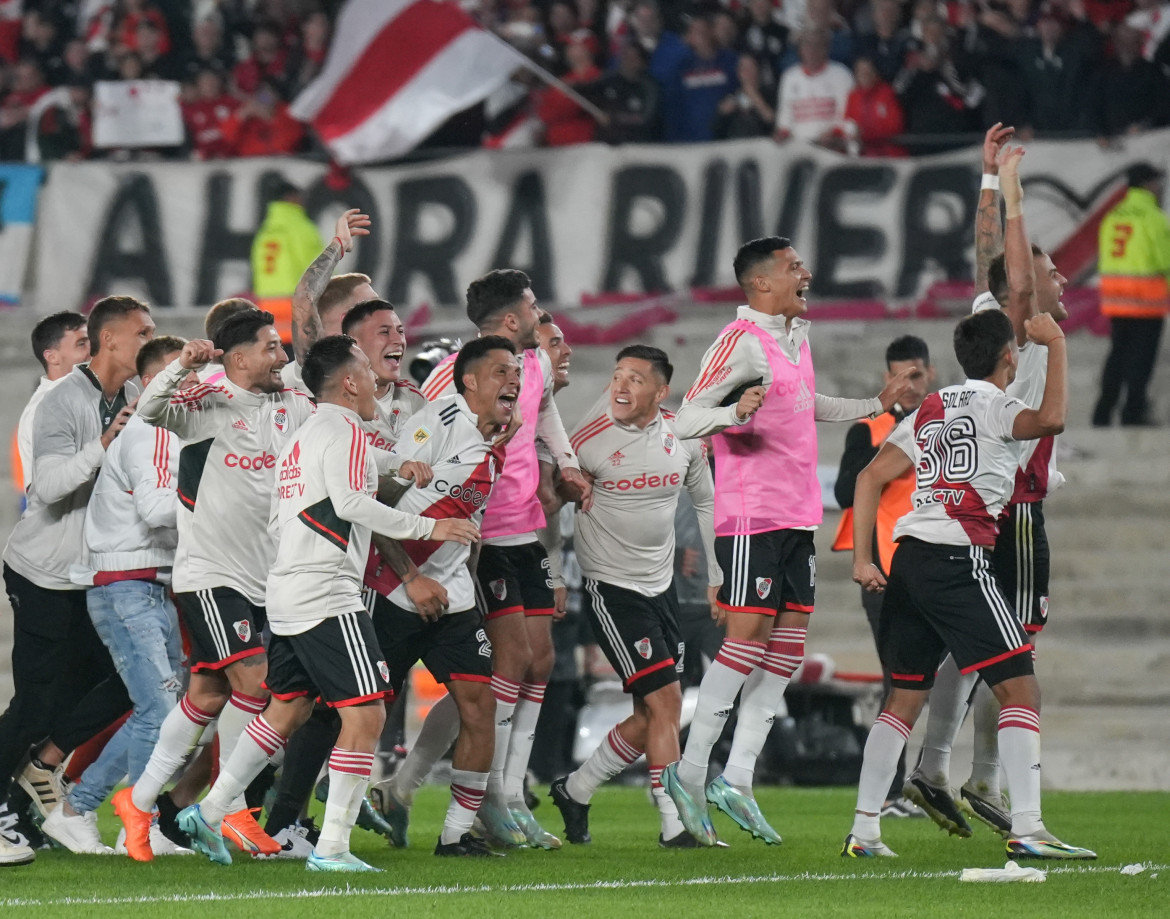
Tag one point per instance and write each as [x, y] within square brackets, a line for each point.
[766, 469]
[513, 507]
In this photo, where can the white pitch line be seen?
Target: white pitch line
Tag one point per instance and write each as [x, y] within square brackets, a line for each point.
[446, 890]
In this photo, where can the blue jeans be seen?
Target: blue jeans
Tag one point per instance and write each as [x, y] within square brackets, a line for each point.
[138, 623]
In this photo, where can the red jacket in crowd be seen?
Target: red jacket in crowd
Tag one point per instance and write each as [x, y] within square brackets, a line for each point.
[254, 136]
[878, 117]
[205, 120]
[565, 121]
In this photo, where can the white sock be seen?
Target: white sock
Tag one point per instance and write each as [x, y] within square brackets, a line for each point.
[177, 737]
[439, 730]
[349, 777]
[610, 758]
[236, 715]
[258, 744]
[884, 745]
[759, 701]
[670, 824]
[520, 742]
[1019, 748]
[732, 666]
[467, 791]
[985, 758]
[506, 692]
[948, 708]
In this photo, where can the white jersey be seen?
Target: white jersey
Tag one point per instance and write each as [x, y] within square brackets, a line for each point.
[401, 401]
[227, 470]
[445, 435]
[965, 458]
[627, 536]
[24, 430]
[809, 104]
[1037, 475]
[290, 373]
[324, 510]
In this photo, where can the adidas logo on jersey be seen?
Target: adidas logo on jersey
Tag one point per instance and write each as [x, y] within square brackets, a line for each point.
[804, 398]
[615, 458]
[240, 425]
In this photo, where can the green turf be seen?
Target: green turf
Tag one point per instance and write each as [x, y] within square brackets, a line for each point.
[624, 873]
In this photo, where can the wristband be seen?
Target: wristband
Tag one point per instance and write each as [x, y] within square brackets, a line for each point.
[989, 182]
[341, 245]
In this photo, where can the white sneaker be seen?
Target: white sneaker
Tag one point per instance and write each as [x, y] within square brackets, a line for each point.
[78, 833]
[294, 843]
[46, 787]
[159, 843]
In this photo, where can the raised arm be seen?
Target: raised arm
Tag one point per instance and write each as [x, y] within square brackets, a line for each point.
[185, 413]
[306, 321]
[1048, 419]
[1021, 272]
[988, 228]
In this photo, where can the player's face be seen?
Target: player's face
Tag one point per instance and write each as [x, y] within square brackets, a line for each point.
[364, 381]
[527, 315]
[125, 336]
[261, 361]
[635, 392]
[331, 321]
[787, 281]
[921, 381]
[1049, 287]
[494, 388]
[552, 340]
[382, 337]
[73, 350]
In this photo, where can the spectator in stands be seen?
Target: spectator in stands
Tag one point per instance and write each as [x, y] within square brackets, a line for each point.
[135, 12]
[41, 41]
[1056, 68]
[28, 85]
[309, 56]
[130, 66]
[206, 113]
[937, 98]
[262, 126]
[765, 39]
[823, 15]
[665, 48]
[725, 29]
[75, 64]
[1133, 94]
[630, 99]
[565, 122]
[64, 123]
[747, 112]
[872, 114]
[813, 93]
[156, 64]
[885, 46]
[268, 61]
[562, 24]
[703, 78]
[208, 48]
[1152, 20]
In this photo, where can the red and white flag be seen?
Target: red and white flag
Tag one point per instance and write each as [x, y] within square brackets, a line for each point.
[396, 70]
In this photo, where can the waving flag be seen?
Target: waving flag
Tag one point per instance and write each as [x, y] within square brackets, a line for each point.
[396, 70]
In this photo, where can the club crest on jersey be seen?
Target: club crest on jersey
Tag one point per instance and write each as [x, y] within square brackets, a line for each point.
[615, 458]
[280, 419]
[384, 670]
[422, 435]
[243, 629]
[763, 587]
[642, 646]
[499, 588]
[669, 443]
[491, 467]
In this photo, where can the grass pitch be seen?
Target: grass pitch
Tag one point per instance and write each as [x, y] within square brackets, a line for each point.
[624, 873]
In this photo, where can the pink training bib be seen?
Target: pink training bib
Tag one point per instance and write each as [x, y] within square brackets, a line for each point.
[766, 469]
[513, 507]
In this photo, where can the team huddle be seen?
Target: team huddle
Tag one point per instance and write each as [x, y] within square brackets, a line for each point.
[249, 554]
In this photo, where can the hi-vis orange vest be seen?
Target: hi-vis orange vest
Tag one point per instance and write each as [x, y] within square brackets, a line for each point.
[894, 502]
[1134, 258]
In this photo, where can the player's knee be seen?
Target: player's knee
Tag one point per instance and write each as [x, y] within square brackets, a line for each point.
[664, 705]
[1022, 690]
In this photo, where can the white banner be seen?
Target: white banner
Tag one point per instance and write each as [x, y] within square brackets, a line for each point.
[581, 220]
[137, 113]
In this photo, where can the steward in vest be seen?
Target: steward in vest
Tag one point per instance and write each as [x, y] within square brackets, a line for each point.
[285, 244]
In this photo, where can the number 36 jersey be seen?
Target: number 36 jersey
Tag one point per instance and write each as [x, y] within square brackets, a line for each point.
[965, 459]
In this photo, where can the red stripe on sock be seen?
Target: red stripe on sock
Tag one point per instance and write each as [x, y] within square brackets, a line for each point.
[892, 720]
[533, 692]
[253, 704]
[194, 713]
[467, 798]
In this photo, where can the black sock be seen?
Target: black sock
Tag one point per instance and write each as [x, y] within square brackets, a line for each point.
[168, 811]
[307, 751]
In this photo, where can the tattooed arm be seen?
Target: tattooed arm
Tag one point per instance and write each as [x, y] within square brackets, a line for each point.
[306, 321]
[988, 229]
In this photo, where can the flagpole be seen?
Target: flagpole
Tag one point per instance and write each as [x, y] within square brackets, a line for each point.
[553, 80]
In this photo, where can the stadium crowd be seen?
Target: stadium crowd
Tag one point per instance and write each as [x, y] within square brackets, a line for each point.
[883, 77]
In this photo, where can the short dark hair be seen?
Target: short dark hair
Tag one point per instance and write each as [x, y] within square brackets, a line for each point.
[495, 292]
[472, 352]
[241, 329]
[105, 311]
[47, 334]
[222, 311]
[752, 253]
[979, 341]
[907, 348]
[154, 352]
[654, 356]
[546, 318]
[326, 356]
[361, 311]
[997, 279]
[339, 289]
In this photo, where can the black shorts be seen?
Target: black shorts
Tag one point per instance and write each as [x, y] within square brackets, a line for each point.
[946, 598]
[640, 635]
[453, 648]
[1022, 563]
[514, 579]
[338, 661]
[768, 572]
[222, 627]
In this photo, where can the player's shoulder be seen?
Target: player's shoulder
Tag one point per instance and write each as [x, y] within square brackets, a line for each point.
[442, 377]
[589, 431]
[406, 389]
